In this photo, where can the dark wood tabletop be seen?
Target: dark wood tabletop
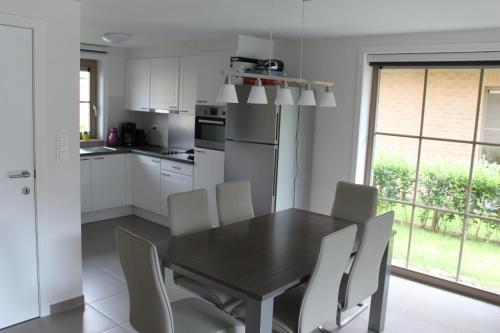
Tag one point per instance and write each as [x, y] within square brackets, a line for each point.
[259, 258]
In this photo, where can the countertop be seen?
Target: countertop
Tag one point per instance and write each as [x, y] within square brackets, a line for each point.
[151, 151]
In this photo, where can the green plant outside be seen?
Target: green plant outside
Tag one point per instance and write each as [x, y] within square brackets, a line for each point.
[436, 235]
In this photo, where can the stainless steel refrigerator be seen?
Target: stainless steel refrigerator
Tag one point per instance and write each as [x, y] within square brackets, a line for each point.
[261, 147]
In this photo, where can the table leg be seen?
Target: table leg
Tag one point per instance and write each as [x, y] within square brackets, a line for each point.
[259, 316]
[378, 303]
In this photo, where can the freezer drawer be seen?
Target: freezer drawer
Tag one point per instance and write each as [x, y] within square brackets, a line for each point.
[256, 163]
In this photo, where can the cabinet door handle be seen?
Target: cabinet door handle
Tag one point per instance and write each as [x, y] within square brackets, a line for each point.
[144, 108]
[184, 111]
[173, 107]
[98, 158]
[201, 101]
[84, 159]
[176, 167]
[155, 161]
[165, 174]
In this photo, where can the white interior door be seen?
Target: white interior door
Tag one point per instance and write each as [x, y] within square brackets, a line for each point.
[18, 256]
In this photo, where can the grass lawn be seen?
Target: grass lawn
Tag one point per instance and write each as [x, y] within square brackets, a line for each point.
[437, 254]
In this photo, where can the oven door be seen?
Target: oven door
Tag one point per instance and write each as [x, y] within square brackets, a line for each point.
[210, 133]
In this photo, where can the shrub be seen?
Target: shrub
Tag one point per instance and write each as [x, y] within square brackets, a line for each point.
[445, 186]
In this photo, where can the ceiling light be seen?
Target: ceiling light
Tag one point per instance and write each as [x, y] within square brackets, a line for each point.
[227, 92]
[307, 97]
[257, 94]
[284, 96]
[327, 100]
[115, 37]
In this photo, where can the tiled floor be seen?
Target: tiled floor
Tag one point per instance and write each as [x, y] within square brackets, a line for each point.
[412, 307]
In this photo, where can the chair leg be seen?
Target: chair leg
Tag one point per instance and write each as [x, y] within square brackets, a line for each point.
[342, 322]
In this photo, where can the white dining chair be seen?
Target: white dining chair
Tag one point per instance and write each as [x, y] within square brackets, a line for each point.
[362, 280]
[234, 202]
[354, 202]
[189, 213]
[307, 307]
[150, 307]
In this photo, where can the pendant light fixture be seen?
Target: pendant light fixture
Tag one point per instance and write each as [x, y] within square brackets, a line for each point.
[284, 95]
[307, 97]
[227, 92]
[327, 100]
[257, 94]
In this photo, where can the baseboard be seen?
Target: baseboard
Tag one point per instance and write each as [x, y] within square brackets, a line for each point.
[150, 216]
[66, 305]
[106, 214]
[455, 287]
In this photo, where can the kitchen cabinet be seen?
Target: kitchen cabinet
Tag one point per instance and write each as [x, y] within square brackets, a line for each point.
[164, 89]
[173, 183]
[146, 188]
[85, 184]
[188, 83]
[208, 172]
[210, 66]
[109, 176]
[137, 81]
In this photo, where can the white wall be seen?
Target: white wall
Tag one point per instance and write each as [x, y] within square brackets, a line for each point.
[58, 191]
[336, 59]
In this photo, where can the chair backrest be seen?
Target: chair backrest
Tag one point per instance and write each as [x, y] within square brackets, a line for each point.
[234, 202]
[364, 273]
[354, 202]
[320, 299]
[188, 212]
[149, 304]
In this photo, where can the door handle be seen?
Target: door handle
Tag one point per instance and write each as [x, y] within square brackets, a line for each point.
[23, 174]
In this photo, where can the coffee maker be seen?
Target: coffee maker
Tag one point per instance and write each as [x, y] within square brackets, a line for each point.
[128, 134]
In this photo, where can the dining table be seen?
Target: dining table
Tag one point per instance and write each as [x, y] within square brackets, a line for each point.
[259, 259]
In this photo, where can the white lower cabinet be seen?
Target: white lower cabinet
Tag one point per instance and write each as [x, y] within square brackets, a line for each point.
[208, 172]
[86, 184]
[173, 183]
[109, 187]
[146, 187]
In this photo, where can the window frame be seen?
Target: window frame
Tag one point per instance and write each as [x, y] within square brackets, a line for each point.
[476, 144]
[90, 65]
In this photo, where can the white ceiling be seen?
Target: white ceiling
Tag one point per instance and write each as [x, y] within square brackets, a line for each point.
[154, 22]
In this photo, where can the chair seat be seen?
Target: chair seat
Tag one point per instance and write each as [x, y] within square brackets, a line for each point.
[219, 298]
[286, 310]
[193, 315]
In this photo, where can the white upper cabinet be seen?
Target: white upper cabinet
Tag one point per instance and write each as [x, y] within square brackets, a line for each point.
[109, 181]
[137, 77]
[210, 66]
[164, 92]
[188, 83]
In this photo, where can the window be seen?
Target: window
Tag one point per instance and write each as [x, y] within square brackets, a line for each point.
[88, 97]
[434, 155]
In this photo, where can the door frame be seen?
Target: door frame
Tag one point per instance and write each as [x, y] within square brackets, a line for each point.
[40, 152]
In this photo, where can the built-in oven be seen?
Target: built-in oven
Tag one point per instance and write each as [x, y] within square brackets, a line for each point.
[210, 127]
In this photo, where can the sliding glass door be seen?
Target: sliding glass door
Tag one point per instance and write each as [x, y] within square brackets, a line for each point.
[435, 158]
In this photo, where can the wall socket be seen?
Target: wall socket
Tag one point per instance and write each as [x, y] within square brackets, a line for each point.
[154, 127]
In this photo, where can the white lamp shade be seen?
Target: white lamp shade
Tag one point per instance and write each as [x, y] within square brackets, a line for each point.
[284, 97]
[227, 94]
[307, 98]
[328, 100]
[257, 94]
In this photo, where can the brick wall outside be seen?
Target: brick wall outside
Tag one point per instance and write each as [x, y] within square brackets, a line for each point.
[450, 111]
